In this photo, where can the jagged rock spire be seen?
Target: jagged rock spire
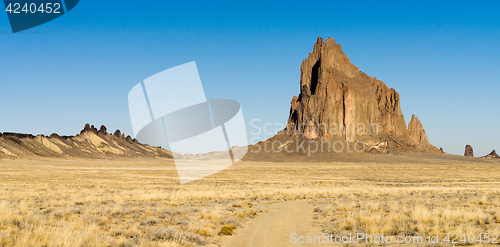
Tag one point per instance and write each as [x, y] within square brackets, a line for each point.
[337, 99]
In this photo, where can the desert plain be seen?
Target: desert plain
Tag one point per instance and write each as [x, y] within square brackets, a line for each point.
[140, 202]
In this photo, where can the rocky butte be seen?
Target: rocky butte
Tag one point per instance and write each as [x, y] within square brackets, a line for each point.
[337, 101]
[469, 151]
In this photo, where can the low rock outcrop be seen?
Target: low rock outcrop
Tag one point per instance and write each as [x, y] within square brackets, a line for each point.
[493, 154]
[469, 152]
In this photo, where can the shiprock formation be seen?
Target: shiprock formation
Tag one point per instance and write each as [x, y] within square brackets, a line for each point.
[338, 102]
[90, 143]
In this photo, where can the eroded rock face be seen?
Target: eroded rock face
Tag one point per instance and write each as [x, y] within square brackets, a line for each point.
[103, 130]
[89, 128]
[469, 151]
[417, 132]
[338, 100]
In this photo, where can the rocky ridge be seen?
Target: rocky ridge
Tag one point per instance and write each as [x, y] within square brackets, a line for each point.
[90, 143]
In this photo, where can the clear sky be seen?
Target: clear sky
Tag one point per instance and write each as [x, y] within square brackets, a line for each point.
[443, 57]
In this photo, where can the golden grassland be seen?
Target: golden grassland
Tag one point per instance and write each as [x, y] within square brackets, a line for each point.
[138, 202]
[421, 213]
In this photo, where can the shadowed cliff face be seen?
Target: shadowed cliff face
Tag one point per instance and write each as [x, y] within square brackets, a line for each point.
[338, 100]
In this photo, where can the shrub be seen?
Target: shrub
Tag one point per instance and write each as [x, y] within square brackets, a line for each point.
[167, 234]
[172, 234]
[229, 221]
[226, 230]
[194, 238]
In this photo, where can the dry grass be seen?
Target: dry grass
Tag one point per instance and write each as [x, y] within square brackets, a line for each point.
[53, 202]
[411, 212]
[47, 215]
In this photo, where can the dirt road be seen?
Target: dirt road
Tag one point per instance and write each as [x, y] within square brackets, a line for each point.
[273, 228]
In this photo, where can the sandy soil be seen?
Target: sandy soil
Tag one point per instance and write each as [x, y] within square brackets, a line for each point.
[274, 227]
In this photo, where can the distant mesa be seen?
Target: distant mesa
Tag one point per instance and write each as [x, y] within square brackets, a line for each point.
[469, 152]
[90, 143]
[493, 154]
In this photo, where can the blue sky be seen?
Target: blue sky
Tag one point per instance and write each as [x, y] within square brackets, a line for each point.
[443, 59]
